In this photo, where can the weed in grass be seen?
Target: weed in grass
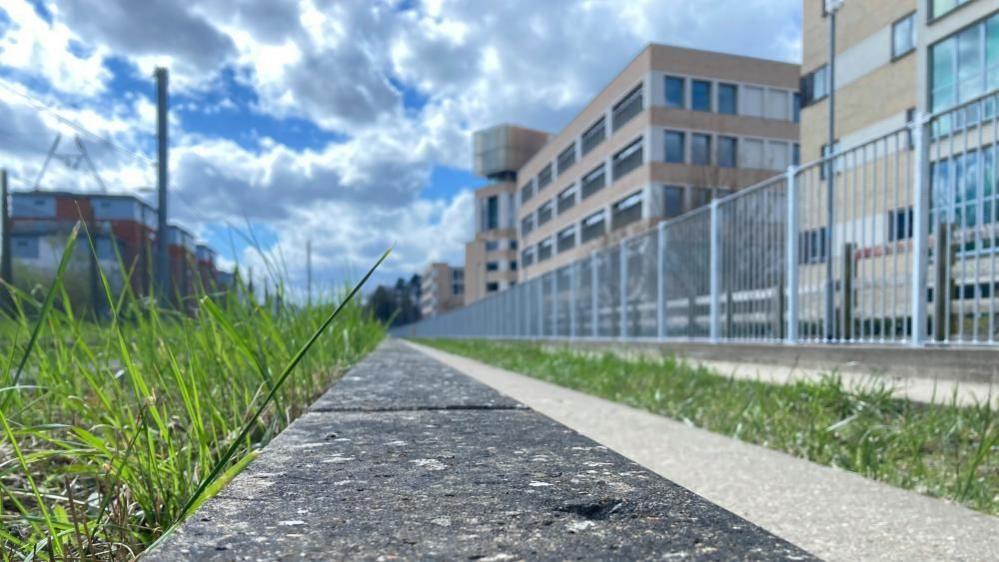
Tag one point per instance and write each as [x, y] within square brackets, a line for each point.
[112, 429]
[943, 450]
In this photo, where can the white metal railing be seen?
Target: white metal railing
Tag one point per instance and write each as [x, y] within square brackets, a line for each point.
[909, 259]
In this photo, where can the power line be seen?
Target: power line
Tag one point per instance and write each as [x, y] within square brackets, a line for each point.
[45, 107]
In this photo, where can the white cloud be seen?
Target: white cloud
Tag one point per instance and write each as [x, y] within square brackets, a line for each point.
[342, 64]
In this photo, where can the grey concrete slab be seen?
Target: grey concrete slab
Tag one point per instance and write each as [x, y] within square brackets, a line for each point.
[395, 378]
[835, 514]
[478, 483]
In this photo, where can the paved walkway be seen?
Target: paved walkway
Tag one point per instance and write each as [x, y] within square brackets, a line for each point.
[834, 514]
[408, 459]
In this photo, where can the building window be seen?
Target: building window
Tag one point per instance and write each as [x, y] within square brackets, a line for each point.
[566, 239]
[513, 265]
[490, 219]
[726, 152]
[626, 211]
[24, 247]
[751, 153]
[965, 65]
[492, 245]
[526, 192]
[567, 199]
[526, 225]
[700, 95]
[814, 85]
[593, 136]
[700, 149]
[527, 257]
[939, 8]
[701, 196]
[777, 155]
[593, 181]
[544, 249]
[512, 244]
[627, 159]
[900, 224]
[593, 226]
[796, 107]
[457, 289]
[752, 101]
[903, 36]
[566, 159]
[545, 213]
[492, 287]
[674, 147]
[796, 154]
[544, 177]
[675, 90]
[627, 108]
[728, 99]
[672, 200]
[777, 105]
[492, 266]
[812, 246]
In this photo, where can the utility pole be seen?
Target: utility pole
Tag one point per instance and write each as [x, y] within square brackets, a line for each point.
[162, 232]
[832, 6]
[308, 271]
[6, 265]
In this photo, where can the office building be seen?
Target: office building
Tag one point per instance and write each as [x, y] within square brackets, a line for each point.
[673, 130]
[442, 288]
[491, 257]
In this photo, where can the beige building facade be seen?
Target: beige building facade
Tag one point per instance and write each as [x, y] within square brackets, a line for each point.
[442, 288]
[675, 129]
[491, 258]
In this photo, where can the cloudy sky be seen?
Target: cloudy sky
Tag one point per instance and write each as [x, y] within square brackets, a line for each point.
[347, 122]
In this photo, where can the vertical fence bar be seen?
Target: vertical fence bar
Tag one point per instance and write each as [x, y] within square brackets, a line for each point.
[623, 290]
[594, 301]
[791, 262]
[573, 280]
[920, 228]
[715, 269]
[660, 280]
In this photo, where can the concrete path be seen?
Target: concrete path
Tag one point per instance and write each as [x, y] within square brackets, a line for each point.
[939, 391]
[407, 459]
[834, 514]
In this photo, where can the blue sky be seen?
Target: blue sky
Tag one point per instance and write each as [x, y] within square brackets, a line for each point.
[347, 123]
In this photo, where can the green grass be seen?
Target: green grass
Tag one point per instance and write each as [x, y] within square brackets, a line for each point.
[112, 430]
[940, 450]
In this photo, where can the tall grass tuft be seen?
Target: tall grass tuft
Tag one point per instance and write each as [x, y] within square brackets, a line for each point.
[113, 428]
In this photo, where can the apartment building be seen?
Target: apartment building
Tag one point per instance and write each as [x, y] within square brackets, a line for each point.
[673, 130]
[896, 59]
[442, 288]
[491, 257]
[893, 58]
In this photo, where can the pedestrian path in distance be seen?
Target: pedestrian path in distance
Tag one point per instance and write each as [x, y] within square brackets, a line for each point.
[834, 514]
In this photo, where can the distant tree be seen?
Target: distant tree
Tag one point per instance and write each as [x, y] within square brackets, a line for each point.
[399, 304]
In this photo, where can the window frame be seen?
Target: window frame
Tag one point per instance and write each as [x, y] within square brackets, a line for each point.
[722, 140]
[693, 93]
[707, 149]
[683, 91]
[683, 146]
[735, 98]
[586, 136]
[636, 146]
[911, 18]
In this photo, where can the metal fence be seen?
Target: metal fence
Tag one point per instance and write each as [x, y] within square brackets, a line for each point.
[888, 241]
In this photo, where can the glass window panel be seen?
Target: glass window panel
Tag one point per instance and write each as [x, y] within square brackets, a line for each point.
[700, 95]
[675, 92]
[700, 149]
[903, 36]
[728, 98]
[726, 152]
[969, 63]
[674, 147]
[672, 200]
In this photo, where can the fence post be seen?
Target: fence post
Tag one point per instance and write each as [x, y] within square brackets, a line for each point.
[623, 289]
[554, 296]
[920, 128]
[594, 298]
[715, 267]
[791, 256]
[573, 280]
[660, 283]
